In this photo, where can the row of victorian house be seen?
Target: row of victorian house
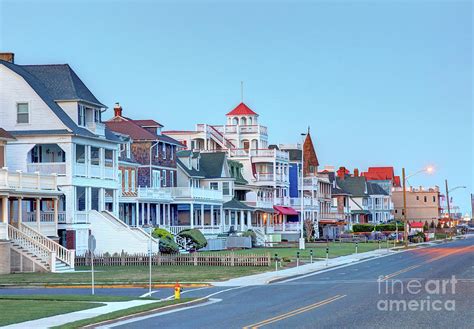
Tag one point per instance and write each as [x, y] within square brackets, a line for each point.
[67, 173]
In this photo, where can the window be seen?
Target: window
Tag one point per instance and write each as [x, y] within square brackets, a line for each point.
[126, 181]
[225, 188]
[163, 173]
[417, 198]
[81, 198]
[164, 150]
[214, 185]
[95, 198]
[109, 158]
[120, 179]
[132, 176]
[80, 153]
[171, 152]
[425, 198]
[434, 198]
[95, 156]
[171, 178]
[156, 178]
[22, 113]
[81, 115]
[97, 116]
[128, 150]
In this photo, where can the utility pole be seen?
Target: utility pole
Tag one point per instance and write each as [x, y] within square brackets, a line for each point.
[405, 221]
[302, 242]
[447, 202]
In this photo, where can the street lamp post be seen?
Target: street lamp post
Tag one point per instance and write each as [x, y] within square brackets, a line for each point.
[447, 198]
[301, 242]
[405, 219]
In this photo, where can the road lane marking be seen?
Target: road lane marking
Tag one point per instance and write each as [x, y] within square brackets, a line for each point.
[141, 318]
[294, 312]
[407, 269]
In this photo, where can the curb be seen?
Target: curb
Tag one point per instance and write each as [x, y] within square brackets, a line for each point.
[158, 310]
[111, 286]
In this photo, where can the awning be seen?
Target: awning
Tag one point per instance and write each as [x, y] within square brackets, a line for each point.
[285, 210]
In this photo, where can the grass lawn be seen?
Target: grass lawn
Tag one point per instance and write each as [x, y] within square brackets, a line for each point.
[122, 313]
[171, 274]
[336, 249]
[15, 309]
[134, 274]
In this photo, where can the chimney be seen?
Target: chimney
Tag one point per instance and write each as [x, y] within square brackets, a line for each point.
[356, 172]
[341, 173]
[7, 57]
[117, 110]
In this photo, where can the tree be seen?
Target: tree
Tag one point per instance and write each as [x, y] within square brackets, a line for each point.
[309, 228]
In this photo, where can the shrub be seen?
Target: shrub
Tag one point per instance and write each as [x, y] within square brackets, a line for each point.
[197, 238]
[160, 233]
[252, 235]
[168, 246]
[362, 228]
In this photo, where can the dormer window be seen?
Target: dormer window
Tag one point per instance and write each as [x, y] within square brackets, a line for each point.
[81, 115]
[97, 116]
[164, 150]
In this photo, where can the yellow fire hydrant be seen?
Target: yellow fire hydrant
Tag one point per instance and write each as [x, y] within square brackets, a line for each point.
[177, 290]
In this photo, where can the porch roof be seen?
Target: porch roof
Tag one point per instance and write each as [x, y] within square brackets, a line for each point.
[286, 210]
[237, 205]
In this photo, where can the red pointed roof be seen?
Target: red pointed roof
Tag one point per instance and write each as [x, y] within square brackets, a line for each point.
[242, 109]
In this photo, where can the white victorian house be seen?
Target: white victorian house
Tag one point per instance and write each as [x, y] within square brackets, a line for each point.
[58, 129]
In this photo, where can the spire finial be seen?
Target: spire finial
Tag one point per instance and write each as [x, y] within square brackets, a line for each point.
[308, 130]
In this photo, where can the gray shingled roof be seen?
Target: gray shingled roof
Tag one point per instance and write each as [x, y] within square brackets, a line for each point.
[62, 83]
[375, 189]
[352, 185]
[211, 164]
[237, 205]
[35, 82]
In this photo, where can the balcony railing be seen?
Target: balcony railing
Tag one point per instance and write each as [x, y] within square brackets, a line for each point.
[154, 193]
[282, 201]
[196, 193]
[47, 168]
[242, 129]
[271, 154]
[97, 128]
[20, 180]
[333, 216]
[262, 204]
[308, 202]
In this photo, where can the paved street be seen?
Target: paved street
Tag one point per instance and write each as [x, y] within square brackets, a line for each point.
[352, 296]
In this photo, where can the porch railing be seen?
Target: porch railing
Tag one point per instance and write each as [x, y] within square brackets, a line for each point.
[21, 180]
[47, 168]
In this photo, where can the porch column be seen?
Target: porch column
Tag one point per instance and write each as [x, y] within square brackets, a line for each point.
[56, 214]
[221, 212]
[38, 214]
[242, 221]
[148, 215]
[19, 211]
[5, 209]
[212, 215]
[202, 214]
[158, 214]
[169, 214]
[191, 214]
[249, 218]
[10, 217]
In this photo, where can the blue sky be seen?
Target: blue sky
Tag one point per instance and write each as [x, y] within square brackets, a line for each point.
[380, 83]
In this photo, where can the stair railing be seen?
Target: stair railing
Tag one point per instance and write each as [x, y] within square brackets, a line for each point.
[65, 255]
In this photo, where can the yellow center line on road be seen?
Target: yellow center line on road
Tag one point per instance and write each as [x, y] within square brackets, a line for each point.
[389, 276]
[294, 312]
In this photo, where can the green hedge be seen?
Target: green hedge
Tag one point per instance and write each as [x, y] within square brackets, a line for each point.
[196, 237]
[252, 235]
[367, 228]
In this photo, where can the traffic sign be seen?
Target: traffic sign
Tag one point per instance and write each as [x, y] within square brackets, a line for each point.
[91, 243]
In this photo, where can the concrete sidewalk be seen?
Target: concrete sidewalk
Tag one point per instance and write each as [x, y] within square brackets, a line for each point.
[268, 277]
[61, 319]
